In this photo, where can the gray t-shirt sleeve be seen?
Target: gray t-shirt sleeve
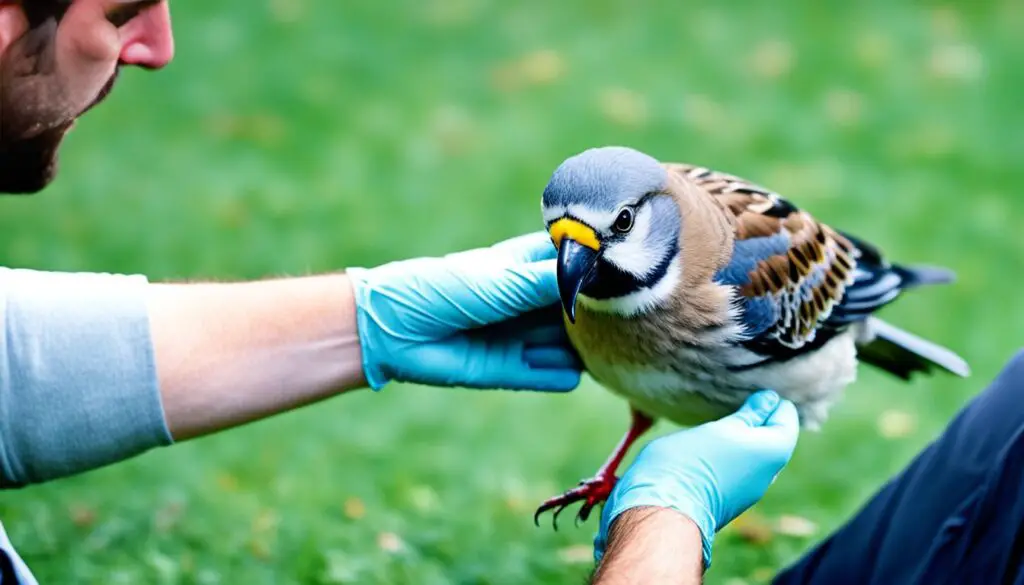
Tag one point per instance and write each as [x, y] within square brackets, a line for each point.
[78, 385]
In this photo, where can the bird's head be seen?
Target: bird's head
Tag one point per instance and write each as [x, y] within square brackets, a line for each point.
[617, 230]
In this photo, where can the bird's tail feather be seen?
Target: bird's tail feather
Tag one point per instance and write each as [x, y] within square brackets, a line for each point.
[921, 275]
[902, 353]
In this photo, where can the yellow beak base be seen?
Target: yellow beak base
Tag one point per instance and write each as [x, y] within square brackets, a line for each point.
[574, 230]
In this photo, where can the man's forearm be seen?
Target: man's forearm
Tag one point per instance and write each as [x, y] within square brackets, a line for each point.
[228, 354]
[97, 368]
[651, 546]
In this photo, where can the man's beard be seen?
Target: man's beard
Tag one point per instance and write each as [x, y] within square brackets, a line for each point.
[35, 114]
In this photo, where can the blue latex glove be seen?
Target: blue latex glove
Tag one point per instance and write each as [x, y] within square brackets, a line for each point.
[711, 473]
[486, 318]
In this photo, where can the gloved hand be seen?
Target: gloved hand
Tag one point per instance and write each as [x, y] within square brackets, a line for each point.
[486, 318]
[711, 473]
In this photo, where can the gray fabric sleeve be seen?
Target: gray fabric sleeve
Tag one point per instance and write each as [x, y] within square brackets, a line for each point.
[78, 386]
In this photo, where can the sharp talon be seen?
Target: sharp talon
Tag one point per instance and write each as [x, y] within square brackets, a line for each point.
[554, 517]
[590, 493]
[583, 514]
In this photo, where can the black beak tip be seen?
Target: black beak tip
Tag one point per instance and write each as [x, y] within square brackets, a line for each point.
[575, 269]
[570, 312]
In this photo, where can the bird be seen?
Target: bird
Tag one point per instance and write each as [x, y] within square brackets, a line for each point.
[685, 289]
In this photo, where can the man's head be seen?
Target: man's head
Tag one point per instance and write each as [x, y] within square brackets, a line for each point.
[58, 59]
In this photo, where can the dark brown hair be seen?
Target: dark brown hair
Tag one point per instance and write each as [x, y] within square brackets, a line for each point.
[39, 11]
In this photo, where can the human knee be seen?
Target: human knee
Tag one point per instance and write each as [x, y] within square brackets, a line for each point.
[996, 414]
[1011, 378]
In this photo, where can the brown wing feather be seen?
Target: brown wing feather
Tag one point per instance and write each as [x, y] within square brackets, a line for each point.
[804, 266]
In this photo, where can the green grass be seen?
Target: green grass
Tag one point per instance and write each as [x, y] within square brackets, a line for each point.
[301, 136]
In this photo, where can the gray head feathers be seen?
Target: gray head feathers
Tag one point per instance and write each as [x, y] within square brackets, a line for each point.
[599, 178]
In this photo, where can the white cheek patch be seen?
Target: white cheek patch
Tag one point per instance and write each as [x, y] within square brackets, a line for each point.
[635, 254]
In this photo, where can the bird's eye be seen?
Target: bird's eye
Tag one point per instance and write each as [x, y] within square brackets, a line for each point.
[624, 222]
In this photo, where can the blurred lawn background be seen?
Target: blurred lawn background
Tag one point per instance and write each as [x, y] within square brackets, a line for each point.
[297, 136]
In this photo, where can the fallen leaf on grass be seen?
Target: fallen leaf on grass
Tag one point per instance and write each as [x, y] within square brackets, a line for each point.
[354, 508]
[81, 515]
[623, 107]
[540, 67]
[895, 424]
[796, 526]
[390, 542]
[577, 554]
[752, 527]
[227, 482]
[772, 59]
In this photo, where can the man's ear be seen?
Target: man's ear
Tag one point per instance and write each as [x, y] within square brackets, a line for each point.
[13, 23]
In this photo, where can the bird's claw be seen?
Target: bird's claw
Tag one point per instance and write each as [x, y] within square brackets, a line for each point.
[589, 491]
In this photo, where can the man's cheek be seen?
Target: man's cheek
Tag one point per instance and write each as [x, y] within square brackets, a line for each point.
[13, 25]
[87, 40]
[30, 92]
[45, 85]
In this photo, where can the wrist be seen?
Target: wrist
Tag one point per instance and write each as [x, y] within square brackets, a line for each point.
[652, 545]
[678, 496]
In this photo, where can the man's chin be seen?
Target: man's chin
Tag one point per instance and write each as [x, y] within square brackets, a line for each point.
[29, 166]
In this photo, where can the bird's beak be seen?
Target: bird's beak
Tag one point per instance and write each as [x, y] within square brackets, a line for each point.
[578, 252]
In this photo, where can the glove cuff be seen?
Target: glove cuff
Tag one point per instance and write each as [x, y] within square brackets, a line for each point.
[367, 328]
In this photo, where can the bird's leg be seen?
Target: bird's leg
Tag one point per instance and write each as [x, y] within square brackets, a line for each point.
[597, 489]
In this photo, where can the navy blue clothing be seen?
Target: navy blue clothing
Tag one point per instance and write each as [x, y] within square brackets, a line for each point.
[954, 515]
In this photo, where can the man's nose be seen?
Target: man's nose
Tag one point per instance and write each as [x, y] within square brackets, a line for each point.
[147, 40]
